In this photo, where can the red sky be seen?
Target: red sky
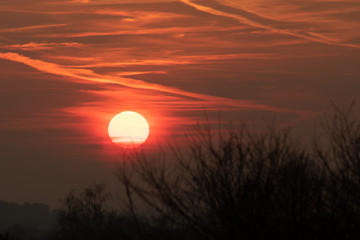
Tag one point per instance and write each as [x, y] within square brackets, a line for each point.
[67, 67]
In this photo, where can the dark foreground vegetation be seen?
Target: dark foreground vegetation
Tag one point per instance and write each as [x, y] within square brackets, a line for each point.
[240, 184]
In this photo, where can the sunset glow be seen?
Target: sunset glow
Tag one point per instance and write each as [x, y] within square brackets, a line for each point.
[69, 69]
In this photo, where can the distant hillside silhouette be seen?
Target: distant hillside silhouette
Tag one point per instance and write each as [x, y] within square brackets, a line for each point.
[33, 215]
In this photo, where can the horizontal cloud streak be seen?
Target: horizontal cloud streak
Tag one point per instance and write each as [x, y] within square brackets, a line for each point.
[308, 35]
[89, 75]
[32, 46]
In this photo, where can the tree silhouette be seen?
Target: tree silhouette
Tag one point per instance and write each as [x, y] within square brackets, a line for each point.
[5, 236]
[236, 183]
[341, 157]
[85, 215]
[242, 184]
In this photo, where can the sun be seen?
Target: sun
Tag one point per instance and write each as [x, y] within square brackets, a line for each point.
[129, 129]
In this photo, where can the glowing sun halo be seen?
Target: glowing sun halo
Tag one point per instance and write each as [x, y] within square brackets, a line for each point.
[128, 129]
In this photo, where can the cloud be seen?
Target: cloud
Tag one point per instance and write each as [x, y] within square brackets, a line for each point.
[33, 46]
[261, 22]
[30, 28]
[88, 75]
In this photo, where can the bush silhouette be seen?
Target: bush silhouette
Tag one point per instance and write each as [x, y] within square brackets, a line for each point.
[341, 159]
[5, 236]
[86, 215]
[244, 185]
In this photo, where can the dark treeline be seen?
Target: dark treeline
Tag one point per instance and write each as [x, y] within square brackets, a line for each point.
[237, 184]
[28, 220]
[27, 214]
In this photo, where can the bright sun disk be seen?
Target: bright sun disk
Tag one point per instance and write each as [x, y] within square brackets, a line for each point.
[128, 129]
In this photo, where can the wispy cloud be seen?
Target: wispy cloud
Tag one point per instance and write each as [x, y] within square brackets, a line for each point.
[30, 28]
[260, 22]
[175, 60]
[88, 75]
[32, 46]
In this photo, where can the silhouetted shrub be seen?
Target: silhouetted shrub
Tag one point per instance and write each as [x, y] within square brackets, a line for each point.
[241, 185]
[341, 158]
[85, 215]
[5, 236]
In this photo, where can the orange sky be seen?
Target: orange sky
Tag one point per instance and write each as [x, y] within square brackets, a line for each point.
[67, 67]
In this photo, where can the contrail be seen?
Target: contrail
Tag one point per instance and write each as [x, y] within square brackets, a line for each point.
[304, 35]
[88, 75]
